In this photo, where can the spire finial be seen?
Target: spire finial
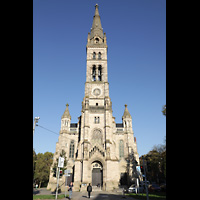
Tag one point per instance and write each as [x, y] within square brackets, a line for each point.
[96, 9]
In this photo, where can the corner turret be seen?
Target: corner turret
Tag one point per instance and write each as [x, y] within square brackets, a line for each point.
[126, 118]
[66, 119]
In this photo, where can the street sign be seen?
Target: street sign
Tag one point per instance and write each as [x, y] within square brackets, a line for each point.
[61, 162]
[67, 171]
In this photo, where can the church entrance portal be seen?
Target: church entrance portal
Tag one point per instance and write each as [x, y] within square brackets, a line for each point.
[97, 174]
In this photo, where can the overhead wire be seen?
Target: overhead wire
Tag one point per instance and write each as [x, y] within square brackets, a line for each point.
[47, 129]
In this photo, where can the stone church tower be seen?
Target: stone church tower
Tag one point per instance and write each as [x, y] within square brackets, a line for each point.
[98, 150]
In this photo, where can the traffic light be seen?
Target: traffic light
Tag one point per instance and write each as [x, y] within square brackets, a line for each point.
[142, 170]
[61, 173]
[54, 172]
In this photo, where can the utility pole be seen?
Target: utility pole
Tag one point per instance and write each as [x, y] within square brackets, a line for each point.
[35, 121]
[145, 179]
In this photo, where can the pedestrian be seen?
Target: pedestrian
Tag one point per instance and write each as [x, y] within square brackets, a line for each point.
[70, 190]
[89, 190]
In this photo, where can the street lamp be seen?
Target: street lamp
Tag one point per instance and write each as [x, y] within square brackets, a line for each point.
[35, 121]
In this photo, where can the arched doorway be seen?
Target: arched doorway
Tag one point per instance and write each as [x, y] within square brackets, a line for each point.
[97, 174]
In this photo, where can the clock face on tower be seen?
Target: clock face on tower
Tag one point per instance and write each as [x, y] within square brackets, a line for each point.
[96, 91]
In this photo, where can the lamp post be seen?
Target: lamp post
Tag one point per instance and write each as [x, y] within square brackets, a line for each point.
[35, 121]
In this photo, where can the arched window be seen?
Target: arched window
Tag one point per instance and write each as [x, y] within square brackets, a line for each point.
[71, 149]
[94, 73]
[99, 73]
[99, 55]
[121, 148]
[94, 55]
[96, 120]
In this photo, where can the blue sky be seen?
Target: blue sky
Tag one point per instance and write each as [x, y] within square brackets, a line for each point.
[136, 38]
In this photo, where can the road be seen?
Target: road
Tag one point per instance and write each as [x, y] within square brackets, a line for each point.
[96, 195]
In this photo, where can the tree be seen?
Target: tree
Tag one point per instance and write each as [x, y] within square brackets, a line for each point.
[156, 164]
[131, 174]
[164, 110]
[42, 168]
[34, 161]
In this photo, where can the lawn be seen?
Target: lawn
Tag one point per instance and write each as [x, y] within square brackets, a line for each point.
[50, 196]
[152, 196]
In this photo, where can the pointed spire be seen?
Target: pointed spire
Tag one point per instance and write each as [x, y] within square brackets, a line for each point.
[96, 25]
[66, 113]
[126, 112]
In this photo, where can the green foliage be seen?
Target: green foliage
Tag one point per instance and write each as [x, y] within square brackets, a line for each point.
[61, 196]
[155, 163]
[164, 110]
[42, 163]
[155, 196]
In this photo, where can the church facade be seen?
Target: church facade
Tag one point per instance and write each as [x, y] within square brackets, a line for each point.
[97, 150]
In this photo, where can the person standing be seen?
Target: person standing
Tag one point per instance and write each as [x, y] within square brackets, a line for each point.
[70, 190]
[89, 190]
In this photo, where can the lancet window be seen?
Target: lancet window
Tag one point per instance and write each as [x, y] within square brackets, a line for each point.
[94, 55]
[121, 148]
[71, 149]
[94, 73]
[99, 73]
[99, 55]
[96, 120]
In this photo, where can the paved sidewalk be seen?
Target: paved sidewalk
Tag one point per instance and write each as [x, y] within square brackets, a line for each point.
[96, 195]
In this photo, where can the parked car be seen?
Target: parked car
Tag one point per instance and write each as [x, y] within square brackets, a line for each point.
[132, 189]
[154, 188]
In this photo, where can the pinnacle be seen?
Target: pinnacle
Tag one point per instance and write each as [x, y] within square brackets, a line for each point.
[66, 113]
[126, 112]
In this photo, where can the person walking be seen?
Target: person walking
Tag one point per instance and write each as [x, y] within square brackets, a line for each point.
[70, 190]
[89, 190]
